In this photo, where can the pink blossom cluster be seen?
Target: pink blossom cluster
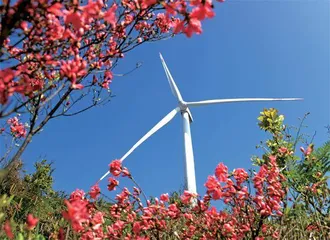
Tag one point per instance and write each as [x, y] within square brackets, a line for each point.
[244, 211]
[270, 192]
[17, 128]
[66, 41]
[78, 211]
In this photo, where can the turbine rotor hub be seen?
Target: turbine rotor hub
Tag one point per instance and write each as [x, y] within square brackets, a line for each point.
[183, 106]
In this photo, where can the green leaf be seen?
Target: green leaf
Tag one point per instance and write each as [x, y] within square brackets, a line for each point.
[20, 237]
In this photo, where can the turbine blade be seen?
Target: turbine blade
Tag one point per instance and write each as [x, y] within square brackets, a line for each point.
[219, 101]
[158, 126]
[170, 79]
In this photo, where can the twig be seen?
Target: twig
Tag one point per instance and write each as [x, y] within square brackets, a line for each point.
[145, 197]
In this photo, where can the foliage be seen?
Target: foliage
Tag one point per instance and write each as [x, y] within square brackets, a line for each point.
[33, 193]
[307, 204]
[284, 197]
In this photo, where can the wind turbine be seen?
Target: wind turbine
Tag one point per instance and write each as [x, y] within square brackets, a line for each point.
[183, 107]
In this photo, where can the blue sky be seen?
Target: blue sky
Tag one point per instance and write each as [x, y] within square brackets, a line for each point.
[250, 49]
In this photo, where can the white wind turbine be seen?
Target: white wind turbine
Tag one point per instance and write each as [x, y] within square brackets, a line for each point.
[183, 107]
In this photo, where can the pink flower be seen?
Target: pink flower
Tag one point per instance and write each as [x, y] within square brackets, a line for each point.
[228, 228]
[74, 70]
[171, 7]
[194, 26]
[308, 151]
[24, 26]
[75, 19]
[188, 216]
[240, 175]
[173, 210]
[8, 231]
[108, 75]
[16, 128]
[283, 150]
[110, 15]
[216, 194]
[92, 9]
[105, 84]
[136, 227]
[95, 191]
[7, 88]
[260, 238]
[31, 221]
[272, 160]
[56, 9]
[77, 195]
[221, 172]
[112, 184]
[77, 86]
[203, 11]
[61, 235]
[88, 235]
[187, 196]
[312, 227]
[125, 172]
[147, 3]
[163, 22]
[212, 183]
[123, 196]
[178, 26]
[115, 167]
[119, 225]
[97, 220]
[77, 214]
[164, 197]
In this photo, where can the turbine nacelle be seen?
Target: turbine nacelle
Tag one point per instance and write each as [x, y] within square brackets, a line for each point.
[183, 105]
[184, 108]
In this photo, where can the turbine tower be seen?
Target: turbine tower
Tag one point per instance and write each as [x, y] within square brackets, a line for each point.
[183, 107]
